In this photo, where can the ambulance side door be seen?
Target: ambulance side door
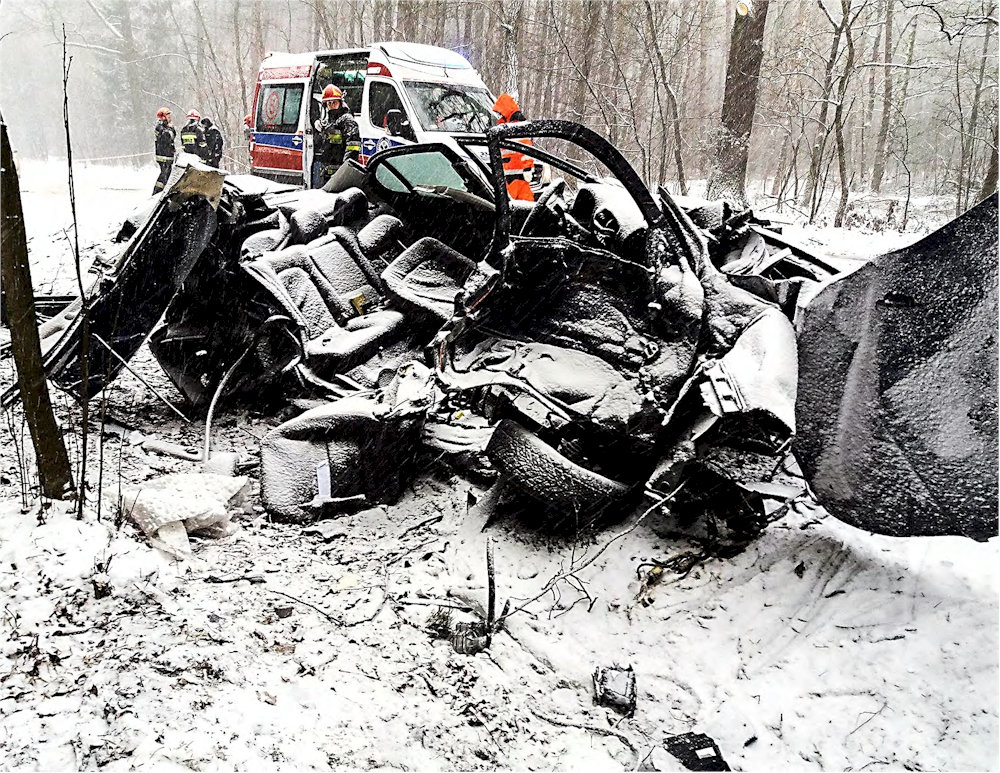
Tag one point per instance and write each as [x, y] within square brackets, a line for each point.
[386, 121]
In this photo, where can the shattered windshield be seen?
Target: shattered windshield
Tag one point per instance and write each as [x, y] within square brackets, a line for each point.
[450, 108]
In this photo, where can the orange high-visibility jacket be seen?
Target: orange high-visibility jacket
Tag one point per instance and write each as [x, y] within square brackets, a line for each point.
[512, 160]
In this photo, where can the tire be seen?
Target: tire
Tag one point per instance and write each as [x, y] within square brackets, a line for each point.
[541, 472]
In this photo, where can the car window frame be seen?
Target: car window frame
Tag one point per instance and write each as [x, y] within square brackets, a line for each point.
[379, 159]
[412, 88]
[504, 136]
[376, 83]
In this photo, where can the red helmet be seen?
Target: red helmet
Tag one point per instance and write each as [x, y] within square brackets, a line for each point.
[194, 114]
[247, 120]
[163, 113]
[331, 93]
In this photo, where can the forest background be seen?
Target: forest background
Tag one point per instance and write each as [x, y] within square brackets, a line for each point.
[888, 97]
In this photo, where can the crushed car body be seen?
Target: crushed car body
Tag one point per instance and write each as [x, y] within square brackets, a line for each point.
[588, 342]
[603, 347]
[897, 406]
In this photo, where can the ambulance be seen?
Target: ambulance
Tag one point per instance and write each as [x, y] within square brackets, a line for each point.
[400, 93]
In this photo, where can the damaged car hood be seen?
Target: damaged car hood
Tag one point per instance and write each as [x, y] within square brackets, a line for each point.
[897, 405]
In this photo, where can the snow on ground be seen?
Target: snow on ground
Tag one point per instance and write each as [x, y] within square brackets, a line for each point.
[820, 647]
[105, 196]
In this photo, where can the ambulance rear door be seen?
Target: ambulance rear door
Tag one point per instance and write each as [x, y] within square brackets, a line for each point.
[277, 142]
[344, 69]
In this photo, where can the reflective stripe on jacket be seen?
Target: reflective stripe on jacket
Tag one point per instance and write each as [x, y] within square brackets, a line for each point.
[193, 139]
[339, 138]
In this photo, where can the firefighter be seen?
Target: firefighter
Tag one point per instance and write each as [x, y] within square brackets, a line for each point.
[515, 164]
[193, 136]
[337, 137]
[165, 135]
[213, 142]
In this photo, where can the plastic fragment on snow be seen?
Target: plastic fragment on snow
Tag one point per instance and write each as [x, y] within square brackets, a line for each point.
[696, 751]
[614, 687]
[169, 508]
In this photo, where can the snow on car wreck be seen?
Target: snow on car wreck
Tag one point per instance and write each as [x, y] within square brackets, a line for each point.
[603, 346]
[586, 342]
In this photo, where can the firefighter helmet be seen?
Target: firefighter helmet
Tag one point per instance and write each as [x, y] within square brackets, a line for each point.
[331, 93]
[163, 113]
[194, 114]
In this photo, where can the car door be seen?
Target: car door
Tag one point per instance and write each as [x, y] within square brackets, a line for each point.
[436, 191]
[345, 71]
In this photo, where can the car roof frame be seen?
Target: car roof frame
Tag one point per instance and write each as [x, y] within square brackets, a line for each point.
[578, 135]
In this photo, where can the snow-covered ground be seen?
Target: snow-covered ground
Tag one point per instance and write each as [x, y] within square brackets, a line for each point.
[820, 647]
[104, 198]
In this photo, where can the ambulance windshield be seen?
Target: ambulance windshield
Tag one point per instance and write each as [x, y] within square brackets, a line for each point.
[447, 107]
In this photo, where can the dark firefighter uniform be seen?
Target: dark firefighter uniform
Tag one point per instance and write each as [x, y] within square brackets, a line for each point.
[193, 139]
[337, 140]
[213, 141]
[515, 164]
[165, 135]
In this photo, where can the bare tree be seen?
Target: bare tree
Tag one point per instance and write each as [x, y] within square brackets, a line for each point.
[746, 51]
[840, 113]
[990, 179]
[50, 451]
[878, 170]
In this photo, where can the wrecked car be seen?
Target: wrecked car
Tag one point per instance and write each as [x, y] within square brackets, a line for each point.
[601, 348]
[590, 343]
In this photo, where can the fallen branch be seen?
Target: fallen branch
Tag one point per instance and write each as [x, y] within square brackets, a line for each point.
[873, 715]
[378, 609]
[435, 603]
[590, 729]
[63, 632]
[359, 672]
[403, 553]
[325, 614]
[142, 380]
[574, 569]
[253, 579]
[428, 522]
[491, 602]
[486, 727]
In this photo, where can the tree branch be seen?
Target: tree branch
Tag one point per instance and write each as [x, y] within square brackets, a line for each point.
[107, 23]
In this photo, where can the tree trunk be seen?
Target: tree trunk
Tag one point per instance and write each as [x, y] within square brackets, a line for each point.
[869, 114]
[239, 67]
[258, 28]
[746, 50]
[50, 451]
[511, 27]
[671, 101]
[990, 180]
[819, 147]
[974, 116]
[883, 130]
[130, 57]
[838, 119]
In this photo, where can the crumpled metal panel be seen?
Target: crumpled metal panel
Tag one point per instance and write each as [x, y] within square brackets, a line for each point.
[758, 373]
[125, 303]
[897, 406]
